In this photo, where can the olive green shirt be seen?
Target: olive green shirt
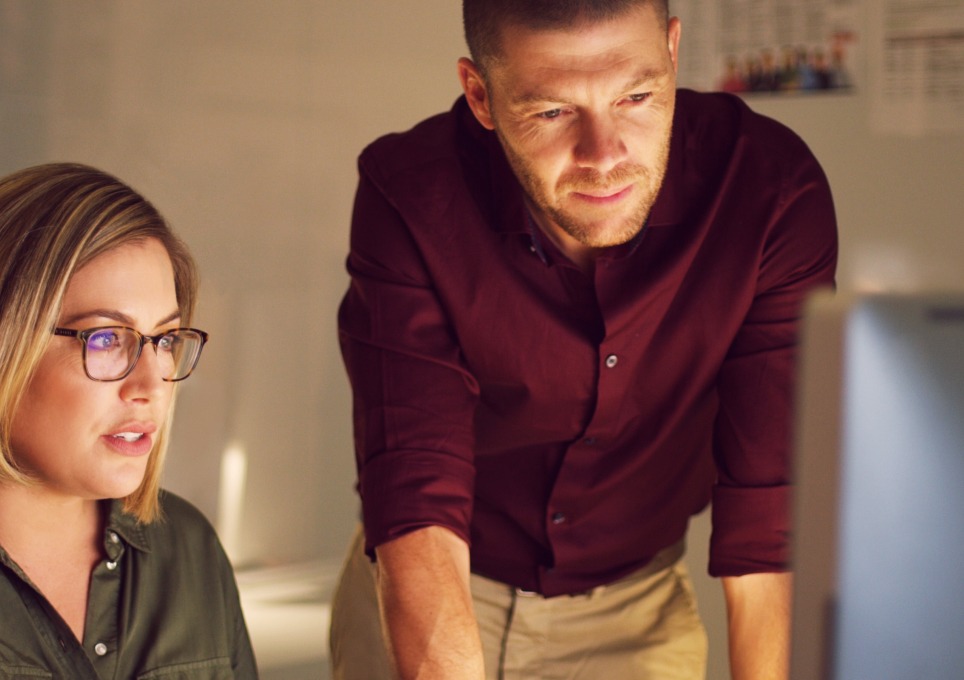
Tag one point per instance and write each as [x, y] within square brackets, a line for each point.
[164, 604]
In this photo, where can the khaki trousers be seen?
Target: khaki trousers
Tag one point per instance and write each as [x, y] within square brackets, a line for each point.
[643, 627]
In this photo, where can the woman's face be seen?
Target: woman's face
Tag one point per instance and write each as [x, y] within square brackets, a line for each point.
[86, 439]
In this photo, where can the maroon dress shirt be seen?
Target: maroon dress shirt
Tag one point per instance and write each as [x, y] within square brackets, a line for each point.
[567, 426]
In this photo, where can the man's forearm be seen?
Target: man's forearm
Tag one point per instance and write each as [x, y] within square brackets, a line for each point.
[426, 606]
[758, 612]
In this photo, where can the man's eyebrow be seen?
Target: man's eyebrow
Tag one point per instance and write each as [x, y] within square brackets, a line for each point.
[115, 315]
[528, 99]
[640, 79]
[644, 78]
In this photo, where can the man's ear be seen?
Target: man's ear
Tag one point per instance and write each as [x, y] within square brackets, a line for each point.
[673, 34]
[476, 92]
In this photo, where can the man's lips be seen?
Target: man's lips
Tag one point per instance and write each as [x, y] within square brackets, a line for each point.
[603, 196]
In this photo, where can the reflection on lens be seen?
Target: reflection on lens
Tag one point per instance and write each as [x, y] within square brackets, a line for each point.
[110, 353]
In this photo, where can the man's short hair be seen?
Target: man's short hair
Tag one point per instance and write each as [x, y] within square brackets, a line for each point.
[483, 20]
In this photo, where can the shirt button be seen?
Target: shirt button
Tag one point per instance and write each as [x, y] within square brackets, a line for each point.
[100, 649]
[114, 538]
[112, 565]
[611, 361]
[558, 518]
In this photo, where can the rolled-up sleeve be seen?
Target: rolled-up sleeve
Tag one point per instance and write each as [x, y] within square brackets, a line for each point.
[414, 400]
[751, 500]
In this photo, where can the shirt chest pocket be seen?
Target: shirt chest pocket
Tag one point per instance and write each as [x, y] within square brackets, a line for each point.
[209, 669]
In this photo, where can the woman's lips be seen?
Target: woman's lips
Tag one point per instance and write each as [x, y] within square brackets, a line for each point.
[131, 439]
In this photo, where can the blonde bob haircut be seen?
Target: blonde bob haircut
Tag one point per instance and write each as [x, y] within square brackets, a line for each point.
[54, 219]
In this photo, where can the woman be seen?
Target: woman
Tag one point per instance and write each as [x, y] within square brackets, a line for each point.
[102, 575]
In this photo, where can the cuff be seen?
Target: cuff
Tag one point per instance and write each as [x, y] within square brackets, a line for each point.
[409, 490]
[751, 530]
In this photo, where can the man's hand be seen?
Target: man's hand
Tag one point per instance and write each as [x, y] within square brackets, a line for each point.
[426, 606]
[758, 612]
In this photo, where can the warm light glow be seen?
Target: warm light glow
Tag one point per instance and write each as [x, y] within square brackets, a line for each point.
[885, 267]
[234, 470]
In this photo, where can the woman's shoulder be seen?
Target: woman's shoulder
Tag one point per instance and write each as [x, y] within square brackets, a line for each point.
[181, 540]
[180, 522]
[181, 511]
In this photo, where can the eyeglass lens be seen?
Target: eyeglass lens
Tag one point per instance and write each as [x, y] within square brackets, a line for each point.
[111, 352]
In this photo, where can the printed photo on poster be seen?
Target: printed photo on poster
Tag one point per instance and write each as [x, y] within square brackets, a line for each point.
[775, 47]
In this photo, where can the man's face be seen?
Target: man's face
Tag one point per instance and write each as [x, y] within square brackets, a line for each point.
[584, 115]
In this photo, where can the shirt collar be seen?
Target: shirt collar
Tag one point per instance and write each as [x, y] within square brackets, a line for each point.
[7, 561]
[488, 174]
[119, 523]
[126, 526]
[667, 210]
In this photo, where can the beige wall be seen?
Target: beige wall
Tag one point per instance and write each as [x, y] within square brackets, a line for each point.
[241, 121]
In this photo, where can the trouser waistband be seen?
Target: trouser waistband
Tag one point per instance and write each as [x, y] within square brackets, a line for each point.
[662, 560]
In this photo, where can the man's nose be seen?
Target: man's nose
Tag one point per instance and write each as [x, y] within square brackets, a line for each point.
[600, 143]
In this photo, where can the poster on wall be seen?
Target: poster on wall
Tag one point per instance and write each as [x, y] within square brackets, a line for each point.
[771, 47]
[917, 66]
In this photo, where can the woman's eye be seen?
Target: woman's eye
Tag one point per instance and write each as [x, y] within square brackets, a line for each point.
[167, 343]
[103, 341]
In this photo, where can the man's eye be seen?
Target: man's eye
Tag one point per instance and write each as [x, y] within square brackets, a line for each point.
[550, 114]
[640, 97]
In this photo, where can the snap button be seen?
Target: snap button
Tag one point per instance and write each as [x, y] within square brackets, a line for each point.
[558, 518]
[100, 649]
[111, 565]
[611, 361]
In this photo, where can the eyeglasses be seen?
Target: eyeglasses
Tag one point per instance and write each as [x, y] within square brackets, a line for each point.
[111, 352]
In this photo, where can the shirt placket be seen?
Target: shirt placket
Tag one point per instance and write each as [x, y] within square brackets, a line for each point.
[562, 517]
[101, 638]
[581, 457]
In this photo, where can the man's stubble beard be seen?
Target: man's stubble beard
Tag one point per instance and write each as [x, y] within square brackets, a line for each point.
[648, 180]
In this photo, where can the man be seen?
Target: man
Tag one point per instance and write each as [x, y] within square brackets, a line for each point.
[571, 323]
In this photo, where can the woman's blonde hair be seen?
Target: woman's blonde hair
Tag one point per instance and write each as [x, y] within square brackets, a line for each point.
[54, 219]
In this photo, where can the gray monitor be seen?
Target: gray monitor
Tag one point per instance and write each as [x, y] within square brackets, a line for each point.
[879, 501]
